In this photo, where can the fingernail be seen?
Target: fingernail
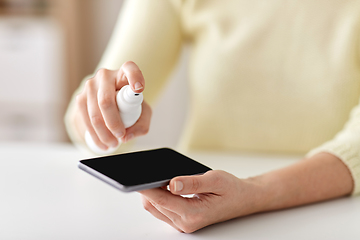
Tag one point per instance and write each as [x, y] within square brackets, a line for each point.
[103, 147]
[129, 137]
[138, 86]
[114, 144]
[178, 186]
[119, 134]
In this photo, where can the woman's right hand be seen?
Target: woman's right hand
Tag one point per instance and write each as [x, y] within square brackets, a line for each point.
[97, 112]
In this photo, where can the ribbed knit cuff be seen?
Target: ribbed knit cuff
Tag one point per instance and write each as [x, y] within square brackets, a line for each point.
[349, 154]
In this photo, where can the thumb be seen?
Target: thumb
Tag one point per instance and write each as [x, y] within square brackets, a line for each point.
[194, 184]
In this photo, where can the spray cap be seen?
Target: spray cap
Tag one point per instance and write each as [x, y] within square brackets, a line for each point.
[132, 97]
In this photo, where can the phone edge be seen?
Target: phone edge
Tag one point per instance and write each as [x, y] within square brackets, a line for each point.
[102, 177]
[119, 186]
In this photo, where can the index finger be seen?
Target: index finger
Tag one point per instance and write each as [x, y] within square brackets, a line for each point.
[131, 74]
[108, 107]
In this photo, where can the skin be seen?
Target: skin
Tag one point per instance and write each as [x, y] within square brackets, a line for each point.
[97, 112]
[219, 196]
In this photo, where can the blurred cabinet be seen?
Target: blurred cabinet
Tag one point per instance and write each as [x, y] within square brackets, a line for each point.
[35, 78]
[46, 48]
[32, 79]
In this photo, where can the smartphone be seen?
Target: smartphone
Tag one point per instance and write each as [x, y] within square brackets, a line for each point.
[143, 169]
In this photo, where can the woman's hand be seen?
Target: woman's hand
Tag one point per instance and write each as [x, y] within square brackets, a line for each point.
[219, 196]
[97, 111]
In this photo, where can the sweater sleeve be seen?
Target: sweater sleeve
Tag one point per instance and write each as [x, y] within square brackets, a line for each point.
[148, 33]
[346, 146]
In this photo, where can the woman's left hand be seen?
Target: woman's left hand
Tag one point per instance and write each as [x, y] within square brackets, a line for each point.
[219, 196]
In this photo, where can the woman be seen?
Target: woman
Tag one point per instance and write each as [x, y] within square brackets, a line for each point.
[271, 76]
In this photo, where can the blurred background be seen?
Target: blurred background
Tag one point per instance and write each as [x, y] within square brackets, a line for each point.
[46, 48]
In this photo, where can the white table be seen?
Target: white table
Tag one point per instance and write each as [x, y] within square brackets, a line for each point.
[45, 196]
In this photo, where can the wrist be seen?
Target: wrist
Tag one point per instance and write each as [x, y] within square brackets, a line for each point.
[321, 177]
[272, 193]
[255, 198]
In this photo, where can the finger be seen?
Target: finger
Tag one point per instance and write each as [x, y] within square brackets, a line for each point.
[97, 119]
[141, 127]
[165, 199]
[131, 74]
[107, 103]
[206, 183]
[173, 217]
[82, 108]
[148, 206]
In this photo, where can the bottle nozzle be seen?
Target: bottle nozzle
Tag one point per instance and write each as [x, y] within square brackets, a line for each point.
[130, 96]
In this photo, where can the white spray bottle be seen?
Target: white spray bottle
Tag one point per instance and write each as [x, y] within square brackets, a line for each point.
[129, 105]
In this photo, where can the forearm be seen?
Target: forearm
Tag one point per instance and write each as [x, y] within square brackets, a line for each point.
[318, 178]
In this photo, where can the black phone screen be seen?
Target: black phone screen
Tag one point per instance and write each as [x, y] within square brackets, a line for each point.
[145, 167]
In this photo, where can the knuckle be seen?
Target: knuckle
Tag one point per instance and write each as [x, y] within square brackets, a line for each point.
[142, 130]
[132, 67]
[114, 126]
[188, 228]
[80, 100]
[216, 176]
[101, 72]
[145, 130]
[105, 101]
[218, 179]
[96, 120]
[195, 185]
[191, 222]
[128, 62]
[90, 84]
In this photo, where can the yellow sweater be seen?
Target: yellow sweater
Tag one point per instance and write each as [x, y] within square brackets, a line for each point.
[265, 75]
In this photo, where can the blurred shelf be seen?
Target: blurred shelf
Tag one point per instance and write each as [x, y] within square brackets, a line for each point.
[25, 7]
[40, 37]
[78, 23]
